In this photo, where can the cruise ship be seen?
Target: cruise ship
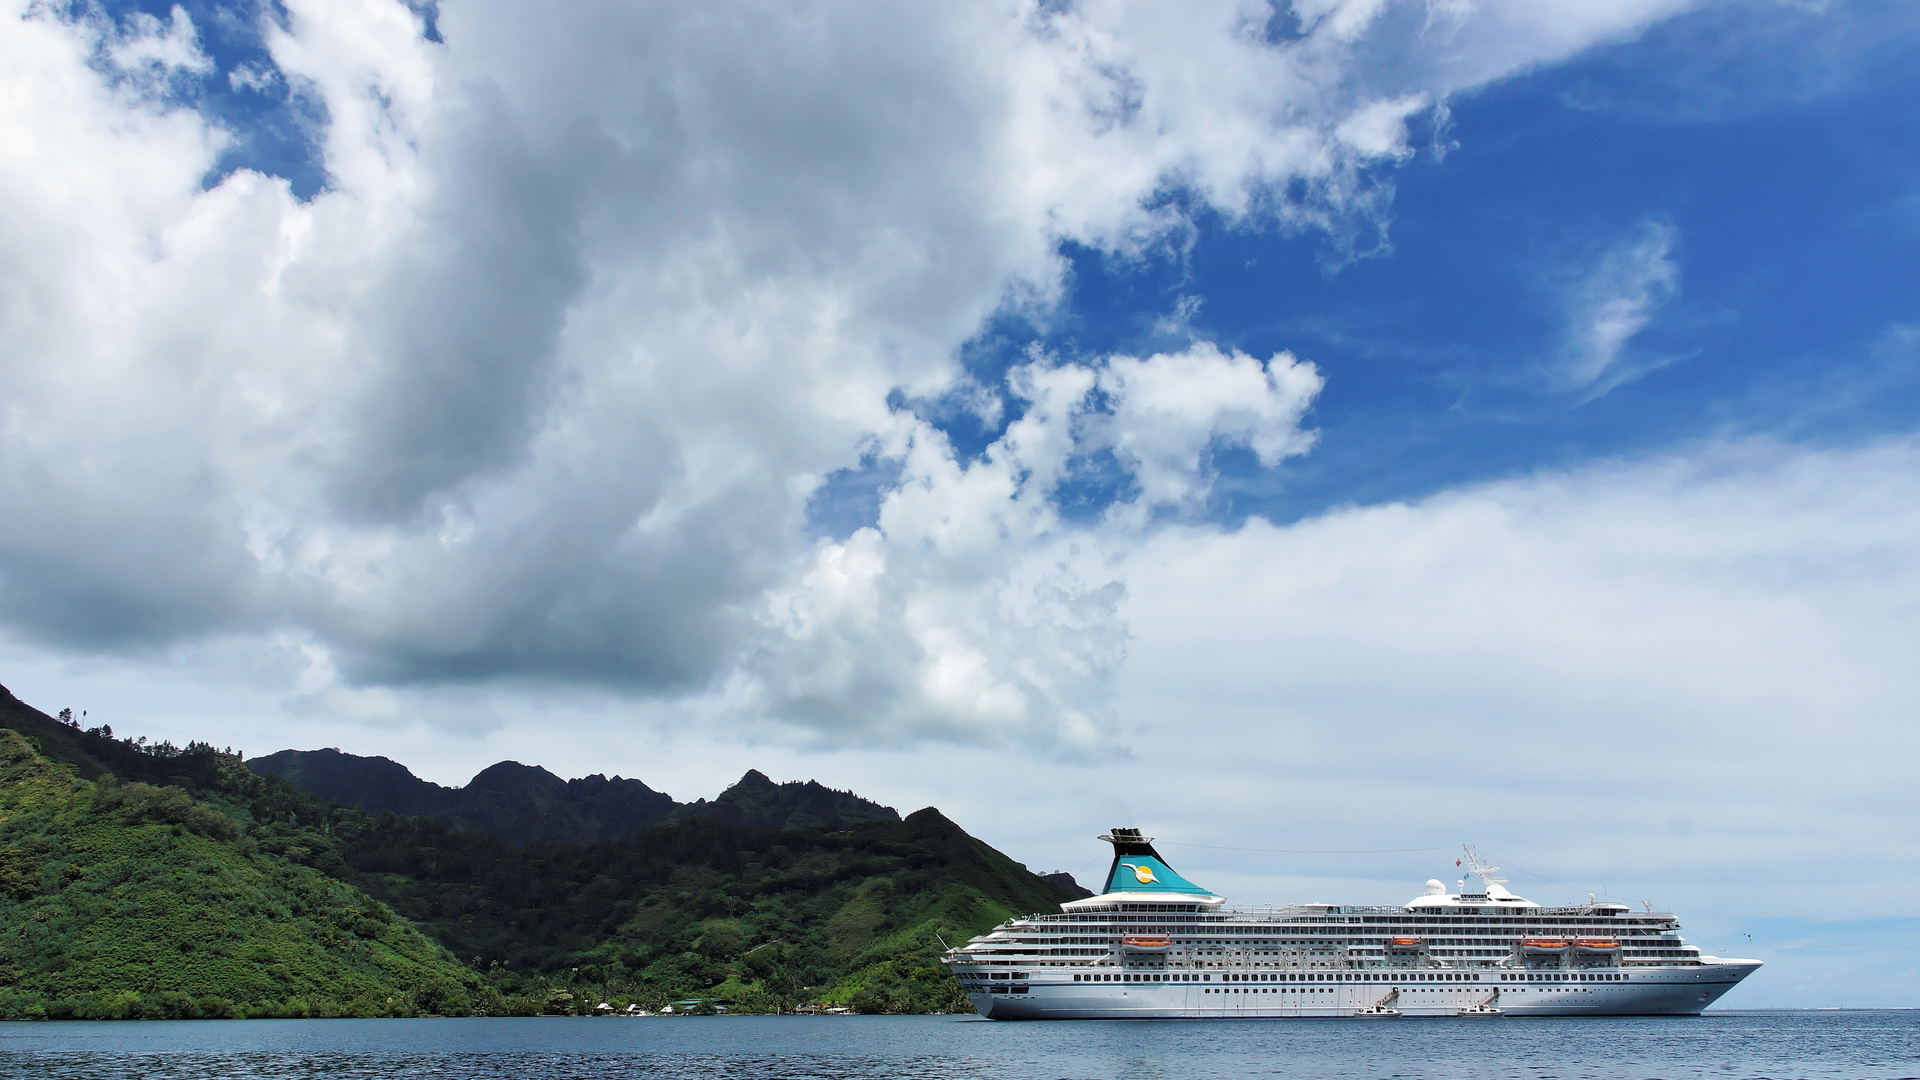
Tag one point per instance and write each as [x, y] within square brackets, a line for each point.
[1153, 946]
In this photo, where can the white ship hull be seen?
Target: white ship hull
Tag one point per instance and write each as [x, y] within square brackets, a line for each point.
[1676, 992]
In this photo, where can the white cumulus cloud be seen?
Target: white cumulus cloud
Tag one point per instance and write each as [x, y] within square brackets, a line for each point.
[539, 386]
[972, 610]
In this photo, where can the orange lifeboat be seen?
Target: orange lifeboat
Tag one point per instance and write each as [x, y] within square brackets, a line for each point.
[1543, 945]
[1146, 943]
[1596, 945]
[1405, 942]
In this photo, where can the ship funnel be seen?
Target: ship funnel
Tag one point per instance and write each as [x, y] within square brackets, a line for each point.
[1138, 868]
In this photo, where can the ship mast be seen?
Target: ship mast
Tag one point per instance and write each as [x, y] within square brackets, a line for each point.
[1484, 871]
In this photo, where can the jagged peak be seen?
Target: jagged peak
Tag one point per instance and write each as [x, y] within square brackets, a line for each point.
[930, 815]
[513, 771]
[334, 752]
[530, 804]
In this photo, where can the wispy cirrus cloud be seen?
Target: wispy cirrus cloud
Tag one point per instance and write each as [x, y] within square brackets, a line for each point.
[1612, 300]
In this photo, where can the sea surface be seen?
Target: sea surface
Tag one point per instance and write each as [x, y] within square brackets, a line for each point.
[1721, 1045]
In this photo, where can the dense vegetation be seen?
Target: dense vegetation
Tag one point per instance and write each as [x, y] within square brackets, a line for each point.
[762, 918]
[134, 900]
[204, 889]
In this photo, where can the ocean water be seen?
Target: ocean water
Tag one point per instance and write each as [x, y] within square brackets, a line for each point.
[1721, 1045]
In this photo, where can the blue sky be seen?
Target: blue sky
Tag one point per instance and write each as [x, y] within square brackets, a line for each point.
[1306, 404]
[1776, 149]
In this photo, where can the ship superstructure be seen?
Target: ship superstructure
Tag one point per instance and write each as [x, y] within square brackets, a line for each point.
[1153, 945]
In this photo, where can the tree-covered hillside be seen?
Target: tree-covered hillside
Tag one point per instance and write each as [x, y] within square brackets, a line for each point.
[766, 918]
[218, 879]
[135, 900]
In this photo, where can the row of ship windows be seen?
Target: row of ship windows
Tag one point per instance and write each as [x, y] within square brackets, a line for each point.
[1371, 921]
[1629, 942]
[1343, 977]
[1270, 990]
[1427, 913]
[1356, 976]
[1183, 941]
[1335, 932]
[1089, 952]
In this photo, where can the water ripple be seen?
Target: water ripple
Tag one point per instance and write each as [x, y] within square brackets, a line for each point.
[1727, 1046]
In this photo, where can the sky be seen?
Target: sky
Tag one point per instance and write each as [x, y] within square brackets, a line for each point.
[1321, 434]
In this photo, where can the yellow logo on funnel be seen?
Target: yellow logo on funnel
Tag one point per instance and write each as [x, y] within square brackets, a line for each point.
[1142, 873]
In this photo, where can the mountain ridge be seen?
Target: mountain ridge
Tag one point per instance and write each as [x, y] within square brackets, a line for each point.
[529, 806]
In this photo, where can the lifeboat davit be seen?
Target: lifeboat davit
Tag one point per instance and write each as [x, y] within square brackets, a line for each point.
[1146, 943]
[1596, 945]
[1543, 945]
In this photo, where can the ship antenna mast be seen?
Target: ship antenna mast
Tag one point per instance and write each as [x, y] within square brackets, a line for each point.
[1481, 868]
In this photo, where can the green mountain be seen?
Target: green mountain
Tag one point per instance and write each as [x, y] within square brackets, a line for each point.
[371, 783]
[522, 804]
[763, 917]
[767, 897]
[527, 806]
[134, 900]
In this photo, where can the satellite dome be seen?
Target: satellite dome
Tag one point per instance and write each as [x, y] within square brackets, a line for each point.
[1436, 887]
